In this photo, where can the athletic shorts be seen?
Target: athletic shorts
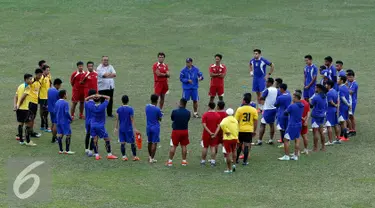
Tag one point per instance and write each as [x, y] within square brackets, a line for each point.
[353, 109]
[216, 90]
[282, 123]
[220, 137]
[22, 116]
[317, 122]
[245, 137]
[64, 129]
[78, 96]
[331, 119]
[161, 88]
[230, 145]
[292, 133]
[259, 84]
[190, 94]
[180, 137]
[33, 109]
[98, 131]
[308, 93]
[153, 134]
[127, 137]
[268, 116]
[208, 141]
[343, 116]
[53, 117]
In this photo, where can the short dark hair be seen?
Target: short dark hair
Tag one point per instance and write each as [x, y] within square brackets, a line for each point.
[57, 81]
[38, 71]
[62, 93]
[248, 95]
[125, 99]
[219, 55]
[154, 98]
[339, 62]
[308, 57]
[161, 54]
[221, 105]
[298, 95]
[299, 91]
[284, 86]
[328, 58]
[89, 62]
[45, 67]
[257, 50]
[330, 83]
[246, 100]
[183, 101]
[92, 92]
[211, 105]
[343, 78]
[279, 80]
[350, 73]
[322, 67]
[41, 62]
[270, 80]
[321, 87]
[80, 63]
[27, 76]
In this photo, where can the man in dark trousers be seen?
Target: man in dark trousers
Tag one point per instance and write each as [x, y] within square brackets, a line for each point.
[106, 82]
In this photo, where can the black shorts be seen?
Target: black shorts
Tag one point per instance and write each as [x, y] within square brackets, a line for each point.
[42, 101]
[245, 137]
[33, 109]
[22, 116]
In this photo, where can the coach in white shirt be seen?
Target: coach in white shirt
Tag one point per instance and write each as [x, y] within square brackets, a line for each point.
[106, 83]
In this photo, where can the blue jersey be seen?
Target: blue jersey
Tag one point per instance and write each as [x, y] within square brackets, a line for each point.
[295, 112]
[319, 103]
[260, 66]
[88, 116]
[98, 114]
[279, 93]
[153, 116]
[332, 96]
[353, 87]
[344, 97]
[180, 118]
[192, 74]
[332, 73]
[310, 72]
[125, 114]
[342, 73]
[62, 112]
[53, 96]
[282, 103]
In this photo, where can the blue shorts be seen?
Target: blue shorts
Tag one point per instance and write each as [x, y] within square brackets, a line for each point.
[308, 93]
[269, 116]
[127, 137]
[293, 133]
[53, 117]
[353, 109]
[98, 131]
[317, 122]
[153, 134]
[343, 115]
[331, 119]
[259, 84]
[282, 122]
[64, 129]
[190, 94]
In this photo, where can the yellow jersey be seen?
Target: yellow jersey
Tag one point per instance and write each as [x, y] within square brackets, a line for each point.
[45, 85]
[245, 116]
[32, 92]
[229, 125]
[20, 90]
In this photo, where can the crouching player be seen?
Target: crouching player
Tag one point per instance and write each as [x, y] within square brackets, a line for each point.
[53, 97]
[97, 125]
[293, 130]
[229, 126]
[89, 143]
[63, 120]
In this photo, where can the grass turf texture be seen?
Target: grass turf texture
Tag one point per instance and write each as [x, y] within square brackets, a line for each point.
[131, 33]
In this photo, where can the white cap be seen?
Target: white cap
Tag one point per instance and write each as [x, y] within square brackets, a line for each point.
[229, 111]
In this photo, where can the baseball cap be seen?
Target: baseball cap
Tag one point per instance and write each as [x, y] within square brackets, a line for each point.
[229, 111]
[189, 60]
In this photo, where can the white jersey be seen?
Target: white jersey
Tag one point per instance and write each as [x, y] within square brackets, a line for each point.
[270, 95]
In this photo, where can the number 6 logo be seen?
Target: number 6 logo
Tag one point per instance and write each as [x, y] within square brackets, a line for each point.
[23, 177]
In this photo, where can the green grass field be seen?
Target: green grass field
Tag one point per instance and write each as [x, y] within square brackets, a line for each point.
[131, 33]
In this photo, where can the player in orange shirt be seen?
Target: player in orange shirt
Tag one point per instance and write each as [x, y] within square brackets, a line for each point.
[161, 75]
[78, 90]
[217, 74]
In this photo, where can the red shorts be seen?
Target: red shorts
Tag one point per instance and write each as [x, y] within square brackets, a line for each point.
[180, 137]
[161, 88]
[216, 90]
[78, 96]
[220, 138]
[208, 141]
[230, 145]
[304, 130]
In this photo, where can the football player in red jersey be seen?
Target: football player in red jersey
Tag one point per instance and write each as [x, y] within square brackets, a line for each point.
[217, 74]
[78, 90]
[161, 75]
[90, 81]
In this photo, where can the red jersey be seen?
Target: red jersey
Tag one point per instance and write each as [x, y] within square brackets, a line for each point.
[91, 80]
[217, 69]
[76, 78]
[306, 108]
[212, 120]
[163, 68]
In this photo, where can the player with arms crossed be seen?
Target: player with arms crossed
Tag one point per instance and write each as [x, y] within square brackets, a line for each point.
[161, 75]
[319, 104]
[258, 66]
[332, 123]
[78, 94]
[310, 74]
[353, 90]
[90, 80]
[63, 120]
[217, 73]
[43, 97]
[344, 108]
[53, 97]
[153, 117]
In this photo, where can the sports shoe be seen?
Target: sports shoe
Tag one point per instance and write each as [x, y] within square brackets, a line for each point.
[213, 164]
[328, 143]
[31, 144]
[136, 158]
[42, 128]
[22, 143]
[337, 142]
[169, 163]
[343, 139]
[184, 163]
[48, 130]
[234, 168]
[97, 157]
[280, 141]
[36, 135]
[203, 163]
[305, 151]
[196, 115]
[17, 138]
[61, 152]
[124, 158]
[270, 142]
[352, 133]
[245, 163]
[90, 154]
[259, 143]
[153, 161]
[284, 158]
[228, 171]
[69, 152]
[281, 146]
[111, 157]
[82, 117]
[241, 157]
[294, 157]
[72, 117]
